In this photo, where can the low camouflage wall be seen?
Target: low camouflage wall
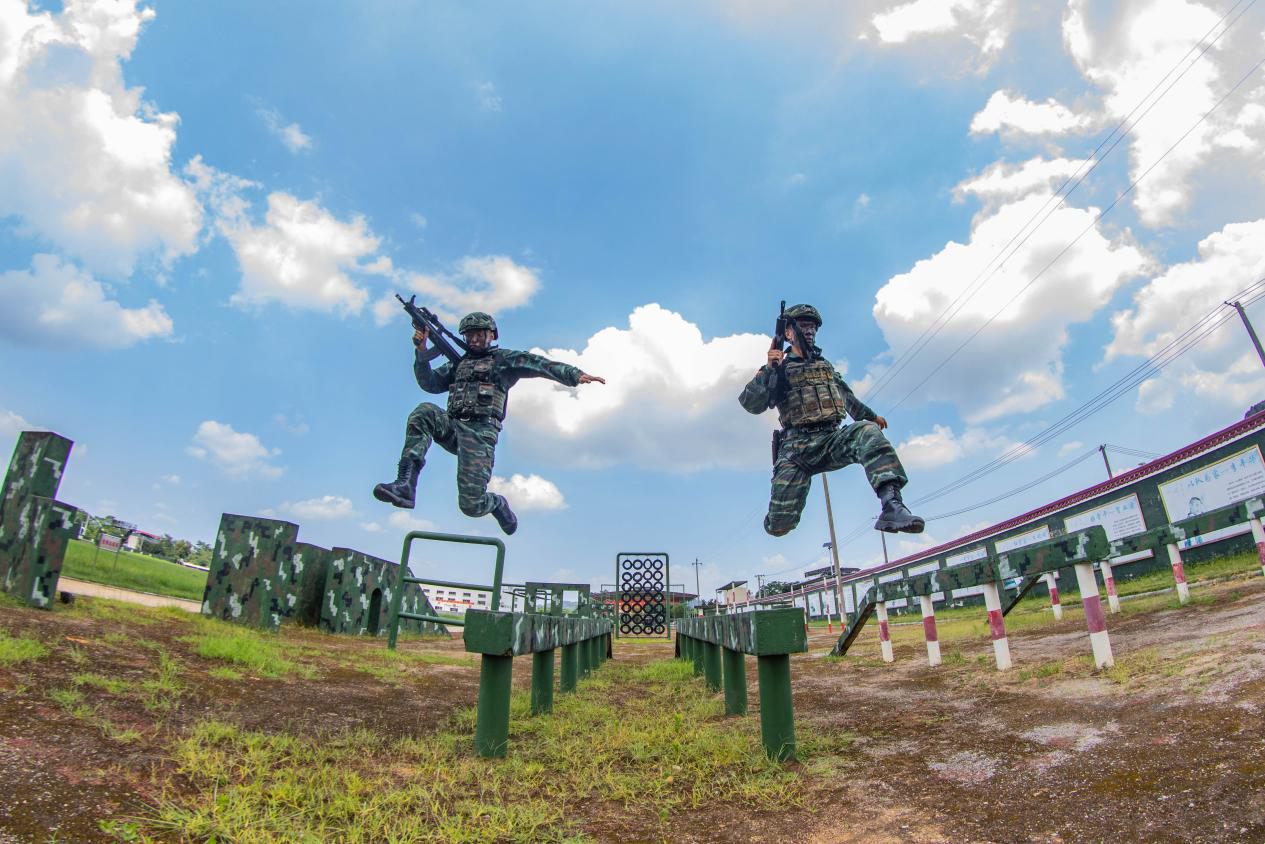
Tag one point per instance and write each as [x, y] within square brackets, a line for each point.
[34, 527]
[252, 568]
[357, 597]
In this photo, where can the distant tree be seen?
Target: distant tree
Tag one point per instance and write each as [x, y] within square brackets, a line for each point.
[774, 587]
[182, 549]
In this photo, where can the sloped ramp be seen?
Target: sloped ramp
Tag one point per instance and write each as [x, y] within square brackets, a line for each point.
[856, 621]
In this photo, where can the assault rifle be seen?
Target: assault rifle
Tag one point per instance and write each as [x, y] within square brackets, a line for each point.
[778, 375]
[442, 340]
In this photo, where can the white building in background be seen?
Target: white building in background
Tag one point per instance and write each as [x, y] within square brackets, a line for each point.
[456, 600]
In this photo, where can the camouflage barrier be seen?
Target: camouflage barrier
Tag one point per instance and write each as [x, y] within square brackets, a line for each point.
[716, 644]
[35, 529]
[356, 598]
[249, 581]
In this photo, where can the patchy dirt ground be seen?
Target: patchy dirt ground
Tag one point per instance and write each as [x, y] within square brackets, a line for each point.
[1169, 746]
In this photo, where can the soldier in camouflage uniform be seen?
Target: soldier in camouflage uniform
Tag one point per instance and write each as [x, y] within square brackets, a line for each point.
[477, 387]
[811, 400]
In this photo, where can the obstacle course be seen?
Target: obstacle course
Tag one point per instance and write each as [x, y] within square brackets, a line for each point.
[35, 527]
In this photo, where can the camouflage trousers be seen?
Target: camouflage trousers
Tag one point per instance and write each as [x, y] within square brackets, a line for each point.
[804, 455]
[474, 443]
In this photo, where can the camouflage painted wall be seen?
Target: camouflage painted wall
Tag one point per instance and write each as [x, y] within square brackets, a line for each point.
[249, 580]
[357, 596]
[34, 528]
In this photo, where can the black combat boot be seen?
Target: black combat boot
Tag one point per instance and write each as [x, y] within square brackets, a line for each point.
[402, 492]
[504, 515]
[895, 517]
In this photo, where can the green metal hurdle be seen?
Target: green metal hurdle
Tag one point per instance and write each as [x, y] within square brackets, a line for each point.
[500, 636]
[716, 644]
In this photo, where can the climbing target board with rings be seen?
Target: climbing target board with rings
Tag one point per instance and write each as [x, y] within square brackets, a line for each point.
[642, 583]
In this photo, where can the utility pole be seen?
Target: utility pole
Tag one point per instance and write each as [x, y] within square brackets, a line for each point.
[697, 588]
[1250, 331]
[1103, 450]
[759, 579]
[883, 536]
[834, 547]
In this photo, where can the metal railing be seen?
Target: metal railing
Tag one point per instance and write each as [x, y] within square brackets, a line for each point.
[397, 597]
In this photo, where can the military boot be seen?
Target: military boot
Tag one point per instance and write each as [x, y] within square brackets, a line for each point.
[504, 515]
[403, 490]
[895, 517]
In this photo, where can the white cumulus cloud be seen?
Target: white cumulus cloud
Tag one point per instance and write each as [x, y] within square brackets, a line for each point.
[85, 162]
[528, 492]
[492, 283]
[401, 520]
[1015, 365]
[986, 23]
[1016, 115]
[671, 401]
[55, 302]
[236, 454]
[1001, 182]
[1221, 372]
[325, 508]
[941, 446]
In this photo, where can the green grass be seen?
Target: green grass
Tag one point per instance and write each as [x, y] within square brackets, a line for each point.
[15, 649]
[225, 673]
[132, 571]
[647, 743]
[261, 653]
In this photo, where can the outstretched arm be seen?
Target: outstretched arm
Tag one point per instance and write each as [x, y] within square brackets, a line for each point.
[855, 407]
[527, 365]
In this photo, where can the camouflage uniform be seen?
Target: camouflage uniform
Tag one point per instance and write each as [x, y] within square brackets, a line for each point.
[812, 449]
[472, 437]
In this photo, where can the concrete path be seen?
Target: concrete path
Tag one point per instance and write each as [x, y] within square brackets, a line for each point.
[114, 593]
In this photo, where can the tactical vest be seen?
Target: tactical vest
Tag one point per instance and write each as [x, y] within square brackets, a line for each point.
[475, 393]
[812, 395]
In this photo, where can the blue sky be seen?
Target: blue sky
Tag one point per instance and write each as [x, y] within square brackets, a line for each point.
[204, 211]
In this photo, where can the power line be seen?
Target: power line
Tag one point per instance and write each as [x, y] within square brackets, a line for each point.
[1093, 223]
[887, 377]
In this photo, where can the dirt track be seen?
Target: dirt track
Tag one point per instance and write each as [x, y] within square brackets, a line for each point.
[1167, 747]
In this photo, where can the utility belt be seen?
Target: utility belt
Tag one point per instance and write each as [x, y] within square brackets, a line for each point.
[466, 416]
[799, 430]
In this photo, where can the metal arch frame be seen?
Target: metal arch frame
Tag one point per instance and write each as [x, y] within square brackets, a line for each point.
[397, 597]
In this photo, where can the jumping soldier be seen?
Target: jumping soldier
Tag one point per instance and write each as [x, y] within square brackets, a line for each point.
[477, 384]
[811, 400]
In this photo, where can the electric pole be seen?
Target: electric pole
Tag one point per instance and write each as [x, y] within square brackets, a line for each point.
[697, 588]
[759, 579]
[834, 547]
[1250, 331]
[1103, 450]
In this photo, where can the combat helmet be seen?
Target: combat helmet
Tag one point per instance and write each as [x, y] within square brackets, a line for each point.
[802, 312]
[476, 320]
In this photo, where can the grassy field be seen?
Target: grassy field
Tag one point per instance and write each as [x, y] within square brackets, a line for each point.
[132, 571]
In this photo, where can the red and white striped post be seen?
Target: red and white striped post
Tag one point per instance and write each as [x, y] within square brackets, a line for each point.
[884, 634]
[1094, 618]
[1109, 583]
[997, 626]
[929, 629]
[1258, 535]
[1179, 573]
[1054, 596]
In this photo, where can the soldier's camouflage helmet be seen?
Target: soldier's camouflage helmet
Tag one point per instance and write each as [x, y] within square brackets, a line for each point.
[475, 321]
[804, 312]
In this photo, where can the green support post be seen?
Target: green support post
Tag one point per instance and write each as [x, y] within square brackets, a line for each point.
[570, 672]
[685, 648]
[696, 655]
[711, 666]
[542, 682]
[777, 721]
[585, 652]
[735, 669]
[492, 725]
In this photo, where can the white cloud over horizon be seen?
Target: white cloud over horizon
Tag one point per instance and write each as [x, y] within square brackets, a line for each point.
[671, 401]
[325, 508]
[941, 447]
[1015, 366]
[1011, 115]
[528, 492]
[985, 23]
[85, 162]
[291, 135]
[237, 454]
[55, 303]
